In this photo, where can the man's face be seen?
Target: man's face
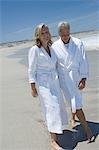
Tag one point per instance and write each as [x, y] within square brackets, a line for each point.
[65, 34]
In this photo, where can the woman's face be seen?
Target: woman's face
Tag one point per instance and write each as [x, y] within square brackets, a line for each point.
[44, 35]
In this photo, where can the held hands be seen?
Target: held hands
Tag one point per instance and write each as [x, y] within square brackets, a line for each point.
[82, 84]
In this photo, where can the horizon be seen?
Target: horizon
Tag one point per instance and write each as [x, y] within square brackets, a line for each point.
[76, 33]
[19, 19]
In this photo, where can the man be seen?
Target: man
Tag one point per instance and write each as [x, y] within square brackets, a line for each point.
[73, 71]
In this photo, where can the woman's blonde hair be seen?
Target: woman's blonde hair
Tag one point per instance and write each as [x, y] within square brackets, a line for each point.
[37, 35]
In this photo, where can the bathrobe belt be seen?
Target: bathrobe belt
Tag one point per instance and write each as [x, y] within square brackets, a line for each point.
[50, 73]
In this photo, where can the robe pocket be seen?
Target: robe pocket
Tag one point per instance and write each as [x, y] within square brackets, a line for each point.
[42, 80]
[76, 77]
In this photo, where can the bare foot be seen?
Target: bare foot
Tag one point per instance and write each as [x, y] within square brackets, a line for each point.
[73, 123]
[89, 134]
[55, 145]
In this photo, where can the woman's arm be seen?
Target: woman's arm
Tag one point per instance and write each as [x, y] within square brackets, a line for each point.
[32, 59]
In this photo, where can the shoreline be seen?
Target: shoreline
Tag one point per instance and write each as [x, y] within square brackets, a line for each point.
[89, 38]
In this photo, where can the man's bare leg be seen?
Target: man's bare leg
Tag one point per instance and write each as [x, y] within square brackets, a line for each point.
[54, 143]
[81, 117]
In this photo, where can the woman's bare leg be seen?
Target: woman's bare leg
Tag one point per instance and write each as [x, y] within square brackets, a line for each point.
[72, 121]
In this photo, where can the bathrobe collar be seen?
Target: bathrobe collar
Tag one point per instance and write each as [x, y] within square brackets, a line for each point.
[68, 62]
[46, 54]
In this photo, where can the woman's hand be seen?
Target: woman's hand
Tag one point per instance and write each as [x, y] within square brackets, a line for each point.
[34, 92]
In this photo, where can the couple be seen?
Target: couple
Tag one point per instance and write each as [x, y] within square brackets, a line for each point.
[52, 67]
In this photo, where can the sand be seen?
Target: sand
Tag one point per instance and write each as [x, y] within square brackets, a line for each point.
[21, 124]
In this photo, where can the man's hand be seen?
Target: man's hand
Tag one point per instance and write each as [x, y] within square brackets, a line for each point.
[82, 84]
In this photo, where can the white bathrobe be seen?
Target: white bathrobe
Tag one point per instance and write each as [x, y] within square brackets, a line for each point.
[72, 67]
[42, 71]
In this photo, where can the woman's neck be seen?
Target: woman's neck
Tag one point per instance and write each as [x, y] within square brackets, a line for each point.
[45, 46]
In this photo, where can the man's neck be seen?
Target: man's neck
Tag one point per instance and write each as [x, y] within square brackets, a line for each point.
[67, 41]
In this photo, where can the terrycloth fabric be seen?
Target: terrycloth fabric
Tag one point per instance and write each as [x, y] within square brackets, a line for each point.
[42, 71]
[72, 67]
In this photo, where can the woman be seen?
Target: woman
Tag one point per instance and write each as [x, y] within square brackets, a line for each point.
[44, 83]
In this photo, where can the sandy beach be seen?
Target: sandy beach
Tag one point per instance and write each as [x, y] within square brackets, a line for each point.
[21, 124]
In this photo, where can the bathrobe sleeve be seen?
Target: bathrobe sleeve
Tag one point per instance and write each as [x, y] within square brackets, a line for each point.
[32, 59]
[83, 65]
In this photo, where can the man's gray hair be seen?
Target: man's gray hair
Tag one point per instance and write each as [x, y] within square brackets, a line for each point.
[63, 24]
